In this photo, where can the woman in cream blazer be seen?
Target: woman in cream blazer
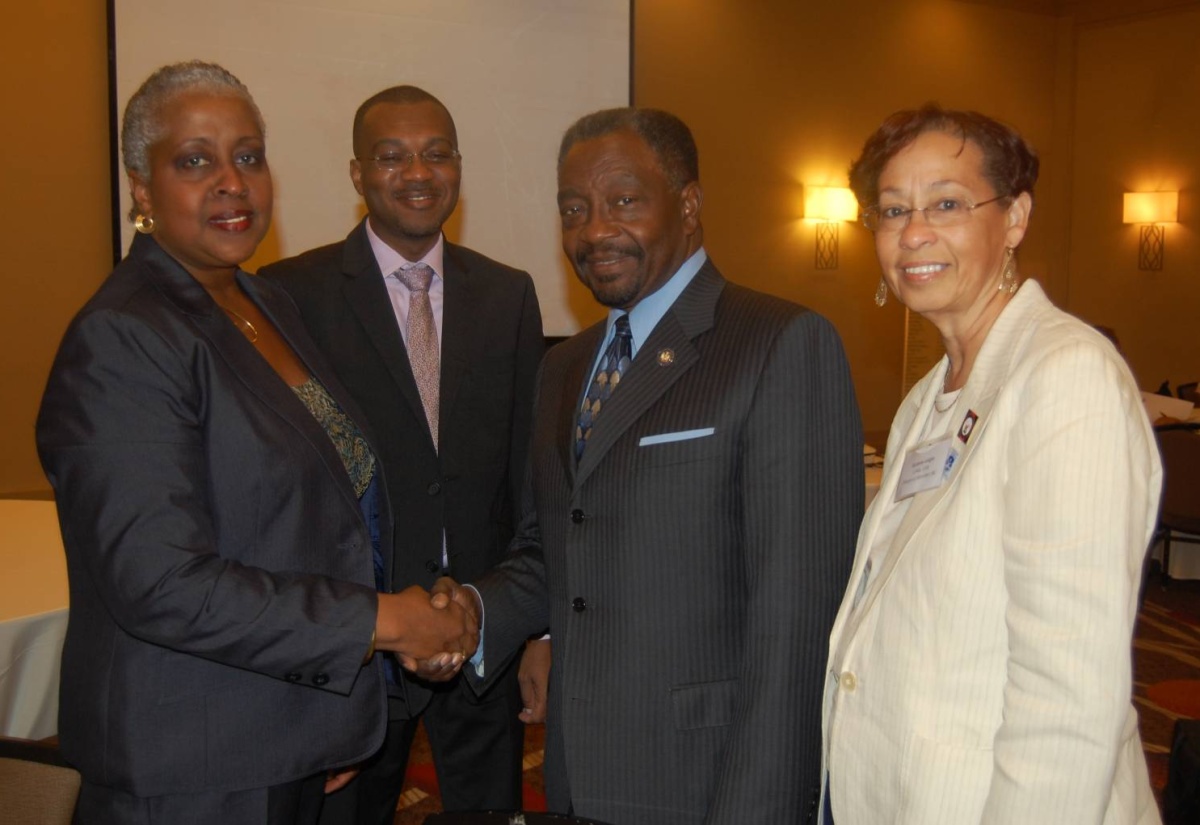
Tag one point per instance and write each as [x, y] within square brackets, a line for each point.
[979, 666]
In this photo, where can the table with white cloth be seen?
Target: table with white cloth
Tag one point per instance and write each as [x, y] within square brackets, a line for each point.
[33, 617]
[873, 475]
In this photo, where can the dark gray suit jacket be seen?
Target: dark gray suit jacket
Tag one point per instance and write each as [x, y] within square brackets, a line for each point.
[220, 572]
[491, 346]
[689, 585]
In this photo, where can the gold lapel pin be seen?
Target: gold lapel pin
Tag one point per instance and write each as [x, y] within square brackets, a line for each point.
[666, 357]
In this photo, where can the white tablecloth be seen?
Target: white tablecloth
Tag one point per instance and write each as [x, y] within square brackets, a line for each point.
[33, 617]
[873, 476]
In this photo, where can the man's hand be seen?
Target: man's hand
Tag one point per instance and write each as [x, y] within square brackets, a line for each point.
[446, 590]
[409, 625]
[336, 780]
[534, 678]
[445, 594]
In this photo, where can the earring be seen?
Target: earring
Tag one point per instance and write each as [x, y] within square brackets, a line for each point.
[1008, 273]
[144, 224]
[881, 292]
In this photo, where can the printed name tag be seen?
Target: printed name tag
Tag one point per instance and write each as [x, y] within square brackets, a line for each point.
[925, 467]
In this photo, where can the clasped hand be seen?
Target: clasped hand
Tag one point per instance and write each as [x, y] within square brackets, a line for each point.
[431, 634]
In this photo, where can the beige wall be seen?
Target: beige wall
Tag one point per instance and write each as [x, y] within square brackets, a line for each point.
[1137, 115]
[55, 218]
[780, 94]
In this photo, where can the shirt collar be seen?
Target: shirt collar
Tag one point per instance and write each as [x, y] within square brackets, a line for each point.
[646, 314]
[390, 260]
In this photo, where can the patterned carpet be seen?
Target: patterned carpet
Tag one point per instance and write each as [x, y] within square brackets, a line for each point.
[1166, 668]
[1166, 664]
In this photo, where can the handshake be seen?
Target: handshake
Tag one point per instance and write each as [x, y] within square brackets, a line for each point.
[432, 634]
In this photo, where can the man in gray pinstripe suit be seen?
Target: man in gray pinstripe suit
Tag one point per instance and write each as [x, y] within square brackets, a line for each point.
[688, 557]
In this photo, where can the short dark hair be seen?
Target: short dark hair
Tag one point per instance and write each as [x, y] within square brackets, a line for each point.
[403, 95]
[1009, 163]
[667, 136]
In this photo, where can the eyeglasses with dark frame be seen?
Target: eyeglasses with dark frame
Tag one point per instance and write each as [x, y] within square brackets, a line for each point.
[945, 212]
[391, 161]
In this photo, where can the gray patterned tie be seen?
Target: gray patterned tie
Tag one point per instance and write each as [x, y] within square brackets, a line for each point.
[423, 341]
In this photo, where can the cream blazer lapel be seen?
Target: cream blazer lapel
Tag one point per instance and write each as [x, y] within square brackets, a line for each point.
[991, 368]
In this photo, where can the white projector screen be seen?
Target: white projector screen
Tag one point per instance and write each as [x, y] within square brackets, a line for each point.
[514, 74]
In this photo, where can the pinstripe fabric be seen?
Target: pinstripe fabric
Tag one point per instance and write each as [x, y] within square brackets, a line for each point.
[990, 653]
[686, 685]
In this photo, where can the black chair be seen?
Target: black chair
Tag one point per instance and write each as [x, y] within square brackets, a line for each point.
[1180, 510]
[36, 786]
[1188, 392]
[505, 818]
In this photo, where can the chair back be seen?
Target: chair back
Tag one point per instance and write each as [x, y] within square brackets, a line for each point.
[37, 787]
[1181, 479]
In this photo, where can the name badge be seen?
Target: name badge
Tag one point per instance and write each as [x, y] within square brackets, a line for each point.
[925, 467]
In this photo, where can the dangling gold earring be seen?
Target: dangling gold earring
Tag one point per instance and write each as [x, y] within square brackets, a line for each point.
[881, 292]
[144, 224]
[1008, 274]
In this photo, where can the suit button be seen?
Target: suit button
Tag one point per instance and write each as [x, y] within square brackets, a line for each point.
[577, 516]
[292, 677]
[434, 488]
[579, 604]
[848, 681]
[321, 679]
[432, 566]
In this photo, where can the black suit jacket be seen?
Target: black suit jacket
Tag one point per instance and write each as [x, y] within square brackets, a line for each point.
[220, 571]
[491, 346]
[690, 564]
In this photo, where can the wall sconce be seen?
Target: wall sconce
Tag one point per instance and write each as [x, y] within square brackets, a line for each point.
[1152, 210]
[827, 205]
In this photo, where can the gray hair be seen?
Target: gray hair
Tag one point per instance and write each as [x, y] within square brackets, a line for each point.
[141, 126]
[667, 136]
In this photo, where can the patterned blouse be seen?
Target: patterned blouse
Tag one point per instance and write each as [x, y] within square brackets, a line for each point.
[346, 437]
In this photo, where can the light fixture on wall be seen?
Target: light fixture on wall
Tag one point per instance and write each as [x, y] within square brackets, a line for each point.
[827, 205]
[1151, 210]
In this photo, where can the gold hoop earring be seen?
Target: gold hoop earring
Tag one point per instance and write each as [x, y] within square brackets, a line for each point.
[881, 292]
[144, 224]
[1008, 274]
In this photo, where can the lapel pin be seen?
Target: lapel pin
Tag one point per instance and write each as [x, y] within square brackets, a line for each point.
[964, 432]
[666, 357]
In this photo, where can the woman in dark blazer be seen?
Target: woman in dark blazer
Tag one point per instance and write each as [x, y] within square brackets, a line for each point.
[218, 504]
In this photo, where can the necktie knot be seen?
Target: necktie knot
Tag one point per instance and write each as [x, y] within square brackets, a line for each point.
[417, 277]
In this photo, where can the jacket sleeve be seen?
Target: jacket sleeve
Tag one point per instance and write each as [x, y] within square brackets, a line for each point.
[122, 434]
[1081, 486]
[802, 499]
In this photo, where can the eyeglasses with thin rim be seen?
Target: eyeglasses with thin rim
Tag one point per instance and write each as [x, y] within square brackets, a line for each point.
[946, 212]
[391, 161]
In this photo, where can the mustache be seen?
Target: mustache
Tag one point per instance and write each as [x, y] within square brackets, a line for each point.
[587, 251]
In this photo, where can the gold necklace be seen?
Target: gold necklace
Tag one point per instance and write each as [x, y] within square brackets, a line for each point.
[248, 329]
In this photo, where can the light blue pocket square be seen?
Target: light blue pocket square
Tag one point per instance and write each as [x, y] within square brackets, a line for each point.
[682, 435]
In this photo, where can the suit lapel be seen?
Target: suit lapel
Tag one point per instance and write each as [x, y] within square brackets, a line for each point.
[243, 360]
[460, 338]
[571, 396]
[648, 379]
[367, 296]
[978, 396]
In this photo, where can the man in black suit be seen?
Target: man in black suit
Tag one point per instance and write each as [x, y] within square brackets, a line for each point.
[444, 372]
[696, 487]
